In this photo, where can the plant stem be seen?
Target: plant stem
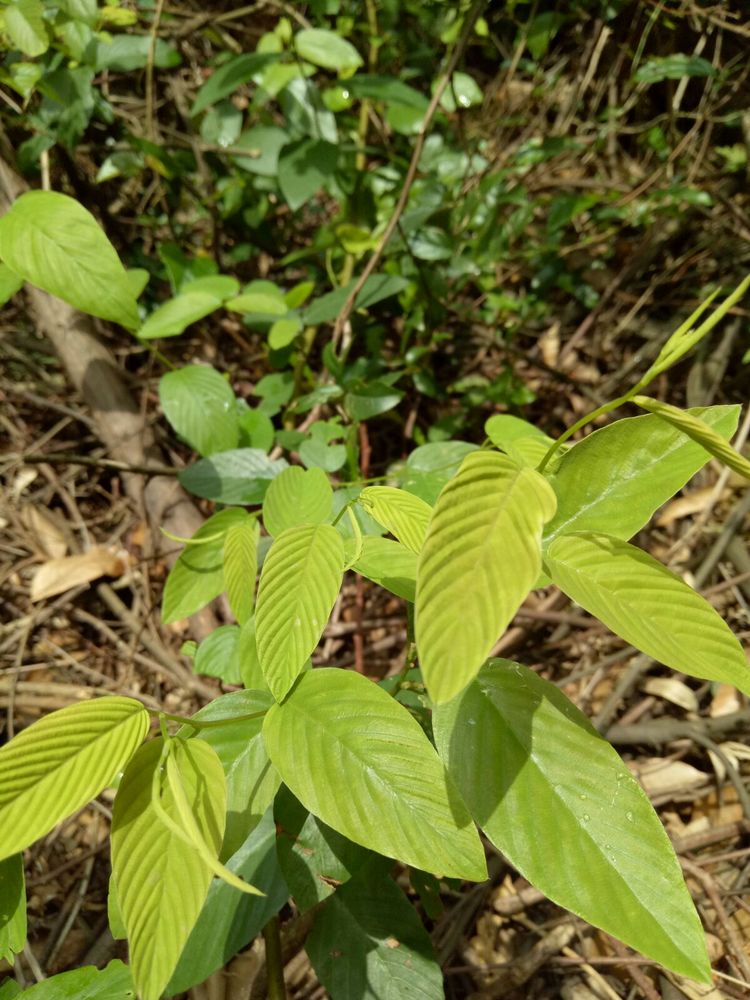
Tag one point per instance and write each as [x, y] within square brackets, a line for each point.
[275, 986]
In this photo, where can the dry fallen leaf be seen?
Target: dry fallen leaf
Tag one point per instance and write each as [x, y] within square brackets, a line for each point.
[662, 777]
[50, 533]
[59, 575]
[670, 689]
[684, 506]
[726, 700]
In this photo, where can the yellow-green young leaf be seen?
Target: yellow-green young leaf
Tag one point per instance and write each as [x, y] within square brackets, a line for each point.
[481, 557]
[53, 242]
[298, 587]
[700, 432]
[520, 440]
[561, 805]
[401, 513]
[241, 567]
[297, 496]
[647, 605]
[360, 762]
[161, 880]
[389, 564]
[61, 762]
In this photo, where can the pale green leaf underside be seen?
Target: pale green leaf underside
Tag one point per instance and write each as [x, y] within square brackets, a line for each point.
[298, 587]
[62, 762]
[361, 763]
[561, 805]
[401, 513]
[297, 496]
[616, 478]
[646, 604]
[161, 881]
[389, 564]
[698, 431]
[53, 242]
[481, 557]
[200, 406]
[241, 567]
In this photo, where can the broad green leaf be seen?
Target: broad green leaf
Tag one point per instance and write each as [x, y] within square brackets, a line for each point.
[400, 512]
[240, 476]
[229, 919]
[24, 24]
[241, 567]
[388, 89]
[561, 805]
[89, 983]
[51, 241]
[262, 297]
[176, 315]
[252, 780]
[376, 288]
[520, 440]
[62, 762]
[339, 731]
[200, 406]
[227, 78]
[430, 466]
[298, 587]
[389, 564]
[295, 497]
[647, 605]
[616, 478]
[284, 332]
[218, 655]
[698, 431]
[304, 168]
[12, 907]
[10, 283]
[314, 858]
[463, 91]
[365, 400]
[327, 49]
[256, 428]
[161, 881]
[9, 989]
[673, 67]
[82, 10]
[481, 557]
[198, 575]
[125, 53]
[381, 948]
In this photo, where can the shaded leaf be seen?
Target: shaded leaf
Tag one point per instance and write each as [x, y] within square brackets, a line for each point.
[227, 78]
[376, 288]
[673, 67]
[304, 168]
[481, 557]
[389, 564]
[240, 475]
[561, 805]
[12, 907]
[337, 730]
[218, 655]
[430, 466]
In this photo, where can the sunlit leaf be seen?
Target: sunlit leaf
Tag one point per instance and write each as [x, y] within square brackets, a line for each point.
[400, 512]
[297, 496]
[481, 557]
[61, 762]
[327, 49]
[200, 406]
[389, 564]
[89, 983]
[241, 567]
[24, 25]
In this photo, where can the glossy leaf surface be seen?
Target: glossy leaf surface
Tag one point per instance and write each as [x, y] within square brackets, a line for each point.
[400, 512]
[647, 605]
[298, 587]
[561, 805]
[338, 730]
[481, 557]
[61, 762]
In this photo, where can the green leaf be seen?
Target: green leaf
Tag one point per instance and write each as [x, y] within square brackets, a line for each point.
[462, 92]
[218, 654]
[295, 497]
[304, 168]
[262, 297]
[10, 283]
[363, 401]
[647, 605]
[481, 557]
[541, 30]
[172, 318]
[389, 564]
[200, 406]
[429, 467]
[298, 587]
[227, 78]
[82, 10]
[229, 919]
[263, 144]
[400, 512]
[673, 67]
[112, 983]
[238, 476]
[9, 989]
[61, 762]
[314, 858]
[616, 478]
[241, 567]
[388, 89]
[12, 907]
[251, 779]
[51, 241]
[24, 23]
[250, 668]
[125, 53]
[256, 428]
[328, 50]
[337, 730]
[381, 948]
[284, 332]
[198, 575]
[520, 440]
[376, 288]
[161, 881]
[698, 431]
[561, 805]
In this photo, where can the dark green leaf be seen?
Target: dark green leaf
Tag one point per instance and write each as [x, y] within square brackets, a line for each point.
[227, 78]
[376, 288]
[12, 908]
[304, 168]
